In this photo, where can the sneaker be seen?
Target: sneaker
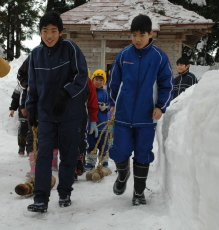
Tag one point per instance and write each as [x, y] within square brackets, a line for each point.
[90, 162]
[30, 174]
[64, 201]
[38, 207]
[105, 164]
[88, 167]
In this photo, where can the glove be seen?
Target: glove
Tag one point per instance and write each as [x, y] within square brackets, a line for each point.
[93, 124]
[59, 104]
[102, 106]
[33, 118]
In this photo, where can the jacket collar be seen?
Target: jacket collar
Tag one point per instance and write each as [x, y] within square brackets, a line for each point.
[51, 50]
[184, 73]
[146, 48]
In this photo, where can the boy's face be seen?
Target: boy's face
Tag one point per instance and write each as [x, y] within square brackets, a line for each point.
[98, 82]
[181, 68]
[50, 35]
[140, 40]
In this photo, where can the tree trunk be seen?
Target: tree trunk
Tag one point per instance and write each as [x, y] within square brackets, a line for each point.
[10, 36]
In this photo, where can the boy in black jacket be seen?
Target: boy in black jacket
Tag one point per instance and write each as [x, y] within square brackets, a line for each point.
[185, 79]
[57, 79]
[23, 127]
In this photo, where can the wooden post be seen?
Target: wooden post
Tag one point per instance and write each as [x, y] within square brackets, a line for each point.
[180, 48]
[103, 55]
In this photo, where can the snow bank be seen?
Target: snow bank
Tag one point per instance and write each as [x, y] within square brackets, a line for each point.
[7, 85]
[190, 142]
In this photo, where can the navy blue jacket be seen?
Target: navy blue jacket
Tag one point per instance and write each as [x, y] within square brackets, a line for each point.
[182, 82]
[141, 79]
[51, 69]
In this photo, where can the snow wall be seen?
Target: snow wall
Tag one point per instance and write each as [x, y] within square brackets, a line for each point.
[188, 156]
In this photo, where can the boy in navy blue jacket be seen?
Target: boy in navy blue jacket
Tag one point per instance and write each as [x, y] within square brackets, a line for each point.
[57, 78]
[185, 79]
[141, 88]
[99, 79]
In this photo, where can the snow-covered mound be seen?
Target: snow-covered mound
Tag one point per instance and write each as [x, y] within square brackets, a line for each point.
[190, 137]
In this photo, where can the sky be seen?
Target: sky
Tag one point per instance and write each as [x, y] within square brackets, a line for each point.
[183, 189]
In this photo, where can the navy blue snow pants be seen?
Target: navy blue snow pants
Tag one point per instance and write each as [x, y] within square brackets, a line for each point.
[137, 139]
[68, 134]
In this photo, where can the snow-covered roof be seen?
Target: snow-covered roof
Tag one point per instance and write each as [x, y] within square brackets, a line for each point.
[116, 15]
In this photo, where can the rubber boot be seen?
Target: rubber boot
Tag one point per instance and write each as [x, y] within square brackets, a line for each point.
[123, 171]
[54, 160]
[32, 165]
[140, 171]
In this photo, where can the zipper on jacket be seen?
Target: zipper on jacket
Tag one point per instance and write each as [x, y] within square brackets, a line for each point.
[140, 55]
[49, 52]
[179, 85]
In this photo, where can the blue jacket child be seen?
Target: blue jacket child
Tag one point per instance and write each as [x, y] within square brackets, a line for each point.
[99, 79]
[57, 79]
[141, 88]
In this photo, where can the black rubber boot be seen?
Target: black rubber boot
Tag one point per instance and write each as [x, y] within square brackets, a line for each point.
[38, 207]
[123, 176]
[140, 171]
[64, 201]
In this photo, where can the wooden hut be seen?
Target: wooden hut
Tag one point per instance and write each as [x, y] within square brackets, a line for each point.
[101, 28]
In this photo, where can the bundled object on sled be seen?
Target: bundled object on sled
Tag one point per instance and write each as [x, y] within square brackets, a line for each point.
[28, 187]
[99, 172]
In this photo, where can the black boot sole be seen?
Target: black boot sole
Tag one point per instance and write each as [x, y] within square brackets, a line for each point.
[64, 204]
[35, 208]
[121, 191]
[138, 201]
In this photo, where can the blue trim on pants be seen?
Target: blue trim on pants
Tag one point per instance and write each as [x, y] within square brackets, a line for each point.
[68, 134]
[137, 139]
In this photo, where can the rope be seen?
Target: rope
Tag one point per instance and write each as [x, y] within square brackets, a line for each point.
[31, 187]
[35, 141]
[108, 130]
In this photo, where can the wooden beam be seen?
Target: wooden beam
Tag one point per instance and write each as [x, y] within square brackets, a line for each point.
[107, 50]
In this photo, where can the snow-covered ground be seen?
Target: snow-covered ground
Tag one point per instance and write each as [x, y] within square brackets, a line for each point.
[183, 180]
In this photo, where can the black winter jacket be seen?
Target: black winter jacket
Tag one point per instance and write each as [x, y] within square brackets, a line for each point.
[50, 70]
[182, 82]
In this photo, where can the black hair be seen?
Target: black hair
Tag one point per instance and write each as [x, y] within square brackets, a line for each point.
[183, 60]
[51, 18]
[141, 23]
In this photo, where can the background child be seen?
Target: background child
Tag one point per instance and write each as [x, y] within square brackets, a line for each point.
[141, 87]
[90, 110]
[99, 79]
[185, 79]
[23, 127]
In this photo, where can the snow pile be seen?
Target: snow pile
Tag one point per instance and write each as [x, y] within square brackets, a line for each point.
[190, 138]
[198, 70]
[199, 2]
[7, 85]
